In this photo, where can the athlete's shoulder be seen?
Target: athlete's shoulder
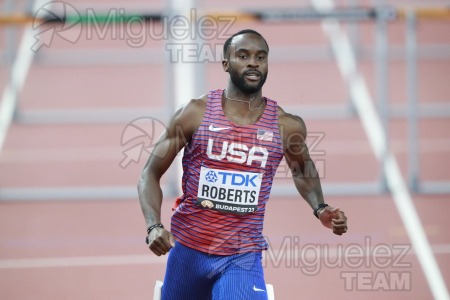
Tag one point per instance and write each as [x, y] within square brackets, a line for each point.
[196, 105]
[189, 115]
[290, 123]
[192, 110]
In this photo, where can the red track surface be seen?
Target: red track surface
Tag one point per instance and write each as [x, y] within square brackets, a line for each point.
[101, 243]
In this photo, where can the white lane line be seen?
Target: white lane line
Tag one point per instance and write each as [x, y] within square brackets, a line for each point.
[115, 153]
[82, 261]
[25, 156]
[123, 260]
[317, 251]
[361, 98]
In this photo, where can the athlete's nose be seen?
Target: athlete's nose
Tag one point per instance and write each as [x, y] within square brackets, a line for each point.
[253, 62]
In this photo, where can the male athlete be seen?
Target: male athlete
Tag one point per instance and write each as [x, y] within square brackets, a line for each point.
[233, 140]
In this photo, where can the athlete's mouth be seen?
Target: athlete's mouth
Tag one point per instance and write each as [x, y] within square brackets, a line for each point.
[253, 75]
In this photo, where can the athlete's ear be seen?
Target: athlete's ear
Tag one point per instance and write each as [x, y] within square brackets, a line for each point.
[225, 64]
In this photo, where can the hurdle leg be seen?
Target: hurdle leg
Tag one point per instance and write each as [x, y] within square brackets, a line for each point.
[157, 291]
[270, 292]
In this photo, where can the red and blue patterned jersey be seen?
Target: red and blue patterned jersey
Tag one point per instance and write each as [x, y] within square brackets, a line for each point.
[228, 171]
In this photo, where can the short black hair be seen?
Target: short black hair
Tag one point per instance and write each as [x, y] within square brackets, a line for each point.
[244, 31]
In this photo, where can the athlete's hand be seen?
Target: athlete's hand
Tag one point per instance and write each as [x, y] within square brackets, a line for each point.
[160, 241]
[334, 218]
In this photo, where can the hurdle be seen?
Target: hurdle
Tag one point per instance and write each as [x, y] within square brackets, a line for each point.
[159, 284]
[157, 291]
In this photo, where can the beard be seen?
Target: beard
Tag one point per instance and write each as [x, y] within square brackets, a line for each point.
[245, 87]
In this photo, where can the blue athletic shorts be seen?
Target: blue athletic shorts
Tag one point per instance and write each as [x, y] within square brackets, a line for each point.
[194, 275]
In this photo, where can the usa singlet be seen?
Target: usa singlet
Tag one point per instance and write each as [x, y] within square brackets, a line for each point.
[227, 177]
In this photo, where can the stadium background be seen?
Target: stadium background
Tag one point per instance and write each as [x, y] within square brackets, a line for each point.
[83, 102]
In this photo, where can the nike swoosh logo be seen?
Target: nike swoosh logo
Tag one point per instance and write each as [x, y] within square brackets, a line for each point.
[212, 128]
[258, 290]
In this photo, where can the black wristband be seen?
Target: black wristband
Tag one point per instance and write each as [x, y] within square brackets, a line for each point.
[150, 229]
[316, 211]
[153, 227]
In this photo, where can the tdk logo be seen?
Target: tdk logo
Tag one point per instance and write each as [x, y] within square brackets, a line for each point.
[211, 176]
[237, 179]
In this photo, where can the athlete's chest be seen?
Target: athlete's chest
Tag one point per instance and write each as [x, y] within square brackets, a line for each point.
[247, 146]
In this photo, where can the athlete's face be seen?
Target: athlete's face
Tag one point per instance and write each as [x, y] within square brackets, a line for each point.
[247, 62]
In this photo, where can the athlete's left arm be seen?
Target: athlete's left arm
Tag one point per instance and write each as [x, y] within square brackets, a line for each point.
[304, 172]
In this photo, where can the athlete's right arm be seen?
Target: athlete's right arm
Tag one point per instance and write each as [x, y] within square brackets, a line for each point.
[179, 131]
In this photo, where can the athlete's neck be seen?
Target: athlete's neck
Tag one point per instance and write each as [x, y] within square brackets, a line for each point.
[233, 93]
[240, 111]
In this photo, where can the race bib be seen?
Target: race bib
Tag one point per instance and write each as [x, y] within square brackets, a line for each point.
[227, 191]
